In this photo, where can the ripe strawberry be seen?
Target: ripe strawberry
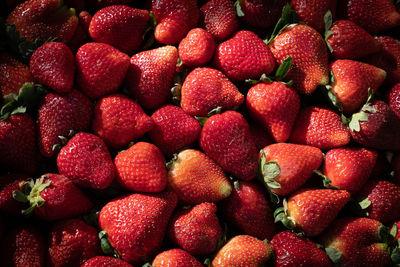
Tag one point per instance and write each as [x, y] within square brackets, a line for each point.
[101, 69]
[196, 178]
[53, 65]
[58, 115]
[103, 261]
[81, 35]
[205, 89]
[249, 210]
[319, 127]
[242, 251]
[8, 184]
[175, 258]
[85, 160]
[72, 242]
[275, 106]
[18, 143]
[151, 75]
[119, 120]
[219, 18]
[13, 74]
[294, 163]
[136, 224]
[173, 129]
[244, 56]
[353, 80]
[348, 168]
[293, 250]
[226, 139]
[346, 38]
[44, 19]
[394, 99]
[120, 26]
[174, 19]
[196, 230]
[260, 137]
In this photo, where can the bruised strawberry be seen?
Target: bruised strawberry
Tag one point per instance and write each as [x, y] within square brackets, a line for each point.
[13, 74]
[205, 89]
[175, 258]
[8, 184]
[394, 99]
[313, 12]
[103, 261]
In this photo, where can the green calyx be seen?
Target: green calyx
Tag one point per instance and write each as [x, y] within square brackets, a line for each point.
[325, 180]
[333, 254]
[269, 171]
[148, 34]
[281, 215]
[362, 115]
[106, 246]
[328, 24]
[288, 17]
[280, 74]
[238, 8]
[63, 141]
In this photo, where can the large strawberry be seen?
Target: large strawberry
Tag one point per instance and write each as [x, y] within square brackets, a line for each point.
[394, 99]
[175, 258]
[8, 184]
[104, 261]
[13, 74]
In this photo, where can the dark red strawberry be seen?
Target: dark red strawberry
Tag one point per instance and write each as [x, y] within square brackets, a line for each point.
[394, 99]
[8, 184]
[261, 138]
[13, 74]
[175, 258]
[103, 261]
[81, 35]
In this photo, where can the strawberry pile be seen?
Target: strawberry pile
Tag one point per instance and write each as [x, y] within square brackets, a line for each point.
[200, 133]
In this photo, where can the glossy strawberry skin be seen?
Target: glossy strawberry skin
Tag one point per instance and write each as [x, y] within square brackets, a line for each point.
[175, 258]
[244, 56]
[261, 13]
[13, 74]
[394, 99]
[226, 139]
[9, 183]
[103, 261]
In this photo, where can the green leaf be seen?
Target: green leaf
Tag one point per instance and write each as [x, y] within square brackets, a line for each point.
[328, 20]
[333, 254]
[334, 100]
[345, 120]
[270, 170]
[393, 231]
[395, 256]
[278, 210]
[279, 217]
[383, 234]
[18, 110]
[273, 197]
[365, 203]
[214, 111]
[19, 196]
[273, 184]
[288, 17]
[356, 118]
[284, 68]
[238, 8]
[331, 77]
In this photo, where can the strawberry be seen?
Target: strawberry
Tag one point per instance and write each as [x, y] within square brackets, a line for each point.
[249, 210]
[345, 39]
[394, 99]
[72, 242]
[196, 230]
[319, 127]
[353, 81]
[44, 19]
[173, 129]
[175, 258]
[85, 160]
[81, 35]
[58, 115]
[101, 69]
[293, 250]
[135, 224]
[244, 56]
[275, 106]
[53, 65]
[119, 120]
[243, 250]
[120, 26]
[289, 165]
[196, 178]
[226, 139]
[103, 261]
[13, 74]
[205, 89]
[261, 138]
[348, 168]
[219, 18]
[17, 143]
[174, 19]
[8, 184]
[141, 168]
[150, 76]
[197, 48]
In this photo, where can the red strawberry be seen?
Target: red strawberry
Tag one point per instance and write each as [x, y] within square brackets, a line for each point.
[85, 160]
[205, 89]
[196, 178]
[58, 115]
[101, 69]
[53, 65]
[261, 138]
[319, 127]
[347, 38]
[196, 230]
[18, 143]
[293, 165]
[136, 224]
[44, 19]
[72, 242]
[242, 251]
[119, 120]
[120, 26]
[151, 75]
[219, 18]
[8, 184]
[244, 56]
[13, 74]
[174, 19]
[81, 35]
[313, 12]
[175, 258]
[394, 99]
[173, 129]
[275, 106]
[103, 261]
[293, 250]
[348, 168]
[249, 210]
[226, 139]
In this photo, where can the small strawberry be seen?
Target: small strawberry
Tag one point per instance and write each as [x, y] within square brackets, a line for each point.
[8, 184]
[175, 258]
[394, 99]
[196, 178]
[135, 224]
[205, 89]
[13, 74]
[53, 65]
[119, 120]
[103, 261]
[243, 251]
[150, 76]
[226, 139]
